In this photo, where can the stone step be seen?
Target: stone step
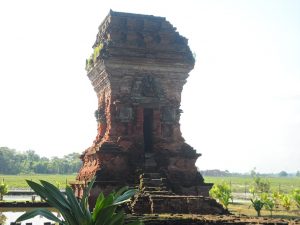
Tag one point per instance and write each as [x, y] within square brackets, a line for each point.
[146, 189]
[161, 187]
[154, 179]
[151, 175]
[152, 183]
[158, 193]
[141, 205]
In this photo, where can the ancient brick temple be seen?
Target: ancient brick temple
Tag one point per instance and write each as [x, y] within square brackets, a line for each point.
[138, 70]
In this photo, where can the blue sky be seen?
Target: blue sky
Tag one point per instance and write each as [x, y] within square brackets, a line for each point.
[241, 102]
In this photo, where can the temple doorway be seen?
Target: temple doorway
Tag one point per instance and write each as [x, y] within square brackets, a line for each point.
[148, 130]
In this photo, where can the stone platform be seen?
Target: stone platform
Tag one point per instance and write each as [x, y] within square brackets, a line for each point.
[185, 219]
[156, 197]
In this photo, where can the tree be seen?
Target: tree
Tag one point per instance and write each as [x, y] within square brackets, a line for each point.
[222, 193]
[76, 211]
[13, 162]
[283, 174]
[298, 173]
[259, 185]
[3, 190]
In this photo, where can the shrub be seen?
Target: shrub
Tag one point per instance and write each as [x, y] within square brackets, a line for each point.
[222, 193]
[286, 201]
[269, 202]
[257, 204]
[296, 197]
[3, 190]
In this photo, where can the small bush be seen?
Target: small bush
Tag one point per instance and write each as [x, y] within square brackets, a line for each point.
[222, 193]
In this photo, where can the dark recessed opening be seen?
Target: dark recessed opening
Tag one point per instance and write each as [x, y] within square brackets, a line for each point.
[148, 130]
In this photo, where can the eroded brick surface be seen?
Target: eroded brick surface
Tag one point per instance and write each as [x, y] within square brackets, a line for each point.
[138, 78]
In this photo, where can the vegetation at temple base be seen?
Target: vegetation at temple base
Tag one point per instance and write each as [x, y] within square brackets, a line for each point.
[222, 193]
[3, 190]
[28, 162]
[76, 211]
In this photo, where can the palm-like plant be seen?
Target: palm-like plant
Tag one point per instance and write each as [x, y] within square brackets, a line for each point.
[76, 212]
[257, 204]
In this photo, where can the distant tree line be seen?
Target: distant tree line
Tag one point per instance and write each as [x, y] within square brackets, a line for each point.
[14, 162]
[226, 173]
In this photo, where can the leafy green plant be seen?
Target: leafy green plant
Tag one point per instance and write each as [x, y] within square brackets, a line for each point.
[296, 197]
[257, 204]
[269, 202]
[74, 211]
[259, 185]
[222, 193]
[2, 218]
[89, 63]
[97, 51]
[286, 201]
[276, 197]
[3, 190]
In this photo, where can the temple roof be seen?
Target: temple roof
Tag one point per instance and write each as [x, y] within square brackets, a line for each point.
[142, 36]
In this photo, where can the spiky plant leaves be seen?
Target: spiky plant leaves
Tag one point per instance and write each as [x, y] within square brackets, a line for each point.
[98, 206]
[137, 222]
[125, 197]
[76, 211]
[43, 212]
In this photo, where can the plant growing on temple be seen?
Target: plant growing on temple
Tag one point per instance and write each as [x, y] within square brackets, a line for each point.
[3, 190]
[89, 63]
[222, 193]
[97, 51]
[74, 211]
[257, 204]
[296, 197]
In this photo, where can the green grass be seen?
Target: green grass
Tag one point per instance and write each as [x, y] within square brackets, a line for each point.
[242, 184]
[18, 181]
[244, 209]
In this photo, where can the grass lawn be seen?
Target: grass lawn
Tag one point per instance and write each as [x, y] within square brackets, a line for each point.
[18, 181]
[244, 209]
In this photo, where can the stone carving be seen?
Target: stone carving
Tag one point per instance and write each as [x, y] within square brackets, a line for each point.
[100, 115]
[146, 86]
[168, 115]
[125, 114]
[149, 88]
